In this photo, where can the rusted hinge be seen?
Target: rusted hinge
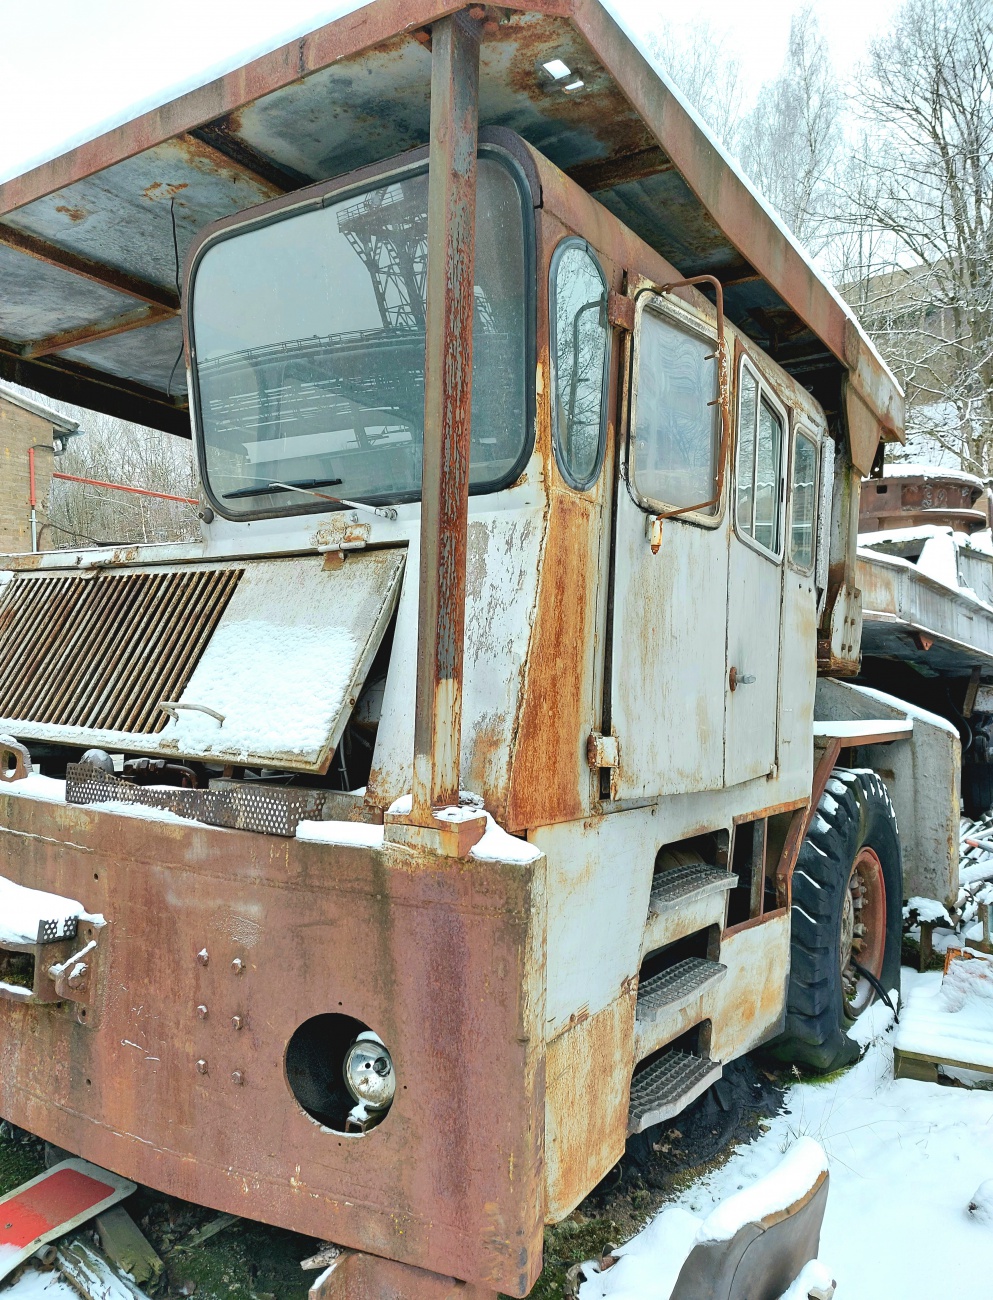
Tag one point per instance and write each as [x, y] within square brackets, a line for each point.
[620, 310]
[602, 751]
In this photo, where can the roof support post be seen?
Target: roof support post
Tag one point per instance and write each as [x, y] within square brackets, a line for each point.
[447, 414]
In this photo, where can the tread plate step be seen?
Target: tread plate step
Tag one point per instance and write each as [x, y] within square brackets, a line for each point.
[675, 887]
[667, 1086]
[678, 985]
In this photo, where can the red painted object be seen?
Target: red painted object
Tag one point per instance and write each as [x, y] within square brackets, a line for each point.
[52, 1204]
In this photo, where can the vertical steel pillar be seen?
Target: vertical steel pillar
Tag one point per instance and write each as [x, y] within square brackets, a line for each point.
[447, 413]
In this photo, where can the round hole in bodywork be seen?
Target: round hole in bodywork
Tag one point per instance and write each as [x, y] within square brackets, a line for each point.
[315, 1058]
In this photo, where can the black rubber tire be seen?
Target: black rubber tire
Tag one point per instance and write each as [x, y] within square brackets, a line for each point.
[977, 789]
[855, 811]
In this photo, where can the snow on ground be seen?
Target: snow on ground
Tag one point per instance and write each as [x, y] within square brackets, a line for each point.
[906, 1160]
[36, 1284]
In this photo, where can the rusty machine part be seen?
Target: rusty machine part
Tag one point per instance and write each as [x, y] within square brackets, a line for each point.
[15, 761]
[157, 771]
[956, 500]
[268, 809]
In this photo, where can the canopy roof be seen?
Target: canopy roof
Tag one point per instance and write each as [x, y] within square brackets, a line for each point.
[92, 241]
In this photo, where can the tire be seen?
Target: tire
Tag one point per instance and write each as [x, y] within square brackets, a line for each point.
[977, 789]
[848, 876]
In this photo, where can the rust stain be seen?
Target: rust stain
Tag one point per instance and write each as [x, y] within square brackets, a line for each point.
[74, 214]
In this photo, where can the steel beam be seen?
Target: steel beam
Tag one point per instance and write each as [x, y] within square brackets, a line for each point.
[108, 277]
[135, 319]
[447, 413]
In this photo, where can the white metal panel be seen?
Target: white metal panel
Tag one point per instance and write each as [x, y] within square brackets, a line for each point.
[753, 621]
[599, 878]
[287, 660]
[502, 561]
[668, 665]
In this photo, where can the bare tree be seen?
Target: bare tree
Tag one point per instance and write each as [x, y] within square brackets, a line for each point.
[791, 142]
[919, 215]
[113, 451]
[707, 74]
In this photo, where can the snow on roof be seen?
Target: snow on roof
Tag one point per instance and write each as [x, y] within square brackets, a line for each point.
[36, 408]
[911, 469]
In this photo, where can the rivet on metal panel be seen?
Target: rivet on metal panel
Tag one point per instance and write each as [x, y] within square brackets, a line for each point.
[237, 1077]
[202, 1012]
[201, 1066]
[237, 966]
[203, 956]
[236, 1022]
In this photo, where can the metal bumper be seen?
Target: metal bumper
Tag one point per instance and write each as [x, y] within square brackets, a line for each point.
[218, 945]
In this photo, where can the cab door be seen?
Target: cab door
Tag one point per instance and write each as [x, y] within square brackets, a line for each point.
[755, 582]
[666, 673]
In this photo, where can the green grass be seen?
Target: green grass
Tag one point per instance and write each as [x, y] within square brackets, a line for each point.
[21, 1157]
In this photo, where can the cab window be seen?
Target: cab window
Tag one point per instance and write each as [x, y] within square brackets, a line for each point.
[676, 428]
[803, 502]
[758, 497]
[579, 345]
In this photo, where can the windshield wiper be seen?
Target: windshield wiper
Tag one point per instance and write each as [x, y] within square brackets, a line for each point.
[265, 489]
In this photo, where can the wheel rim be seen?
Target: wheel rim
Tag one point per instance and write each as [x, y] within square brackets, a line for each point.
[863, 930]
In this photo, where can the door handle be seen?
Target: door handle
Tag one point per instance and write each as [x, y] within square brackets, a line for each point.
[736, 679]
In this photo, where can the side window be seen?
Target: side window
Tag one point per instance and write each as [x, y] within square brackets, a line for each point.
[758, 500]
[803, 502]
[676, 431]
[580, 337]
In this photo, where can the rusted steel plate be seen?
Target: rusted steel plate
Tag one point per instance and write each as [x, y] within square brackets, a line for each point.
[445, 963]
[449, 308]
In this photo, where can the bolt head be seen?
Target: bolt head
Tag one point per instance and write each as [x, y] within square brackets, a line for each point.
[201, 1066]
[237, 1077]
[202, 1012]
[238, 966]
[203, 956]
[237, 1022]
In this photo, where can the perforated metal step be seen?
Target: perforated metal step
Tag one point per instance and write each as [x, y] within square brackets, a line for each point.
[681, 885]
[675, 987]
[667, 1086]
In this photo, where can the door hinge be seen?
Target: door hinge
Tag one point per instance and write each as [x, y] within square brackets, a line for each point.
[620, 311]
[602, 751]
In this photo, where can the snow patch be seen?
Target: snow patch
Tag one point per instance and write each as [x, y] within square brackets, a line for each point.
[925, 909]
[22, 910]
[953, 1019]
[35, 1284]
[360, 834]
[814, 1279]
[793, 1178]
[981, 1203]
[303, 675]
[35, 786]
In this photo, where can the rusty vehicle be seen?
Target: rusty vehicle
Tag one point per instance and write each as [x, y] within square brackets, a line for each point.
[479, 785]
[926, 572]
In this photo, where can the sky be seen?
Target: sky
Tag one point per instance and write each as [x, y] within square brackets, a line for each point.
[71, 68]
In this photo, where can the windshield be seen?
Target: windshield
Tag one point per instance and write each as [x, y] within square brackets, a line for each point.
[308, 344]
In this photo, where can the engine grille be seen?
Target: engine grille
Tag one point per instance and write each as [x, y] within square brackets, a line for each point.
[101, 652]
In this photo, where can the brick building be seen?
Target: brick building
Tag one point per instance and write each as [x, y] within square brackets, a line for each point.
[25, 423]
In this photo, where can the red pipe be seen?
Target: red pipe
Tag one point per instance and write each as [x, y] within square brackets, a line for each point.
[118, 487]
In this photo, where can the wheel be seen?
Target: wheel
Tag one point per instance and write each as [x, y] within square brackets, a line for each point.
[846, 914]
[977, 789]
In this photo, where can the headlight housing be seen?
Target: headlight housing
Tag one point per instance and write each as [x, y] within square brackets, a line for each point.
[369, 1075]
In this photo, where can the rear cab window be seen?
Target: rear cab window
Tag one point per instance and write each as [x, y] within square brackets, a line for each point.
[759, 483]
[803, 501]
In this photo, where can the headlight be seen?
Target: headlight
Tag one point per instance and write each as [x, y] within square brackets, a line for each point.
[368, 1071]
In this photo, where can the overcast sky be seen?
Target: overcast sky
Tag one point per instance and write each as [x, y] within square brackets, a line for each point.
[69, 68]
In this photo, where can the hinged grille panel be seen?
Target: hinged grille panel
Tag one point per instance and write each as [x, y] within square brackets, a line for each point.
[101, 652]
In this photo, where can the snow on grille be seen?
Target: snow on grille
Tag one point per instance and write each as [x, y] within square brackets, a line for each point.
[102, 652]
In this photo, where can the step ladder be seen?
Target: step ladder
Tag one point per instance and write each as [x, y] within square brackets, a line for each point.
[684, 900]
[673, 1001]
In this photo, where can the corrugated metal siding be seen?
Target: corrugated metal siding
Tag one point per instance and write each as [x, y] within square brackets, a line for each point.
[101, 652]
